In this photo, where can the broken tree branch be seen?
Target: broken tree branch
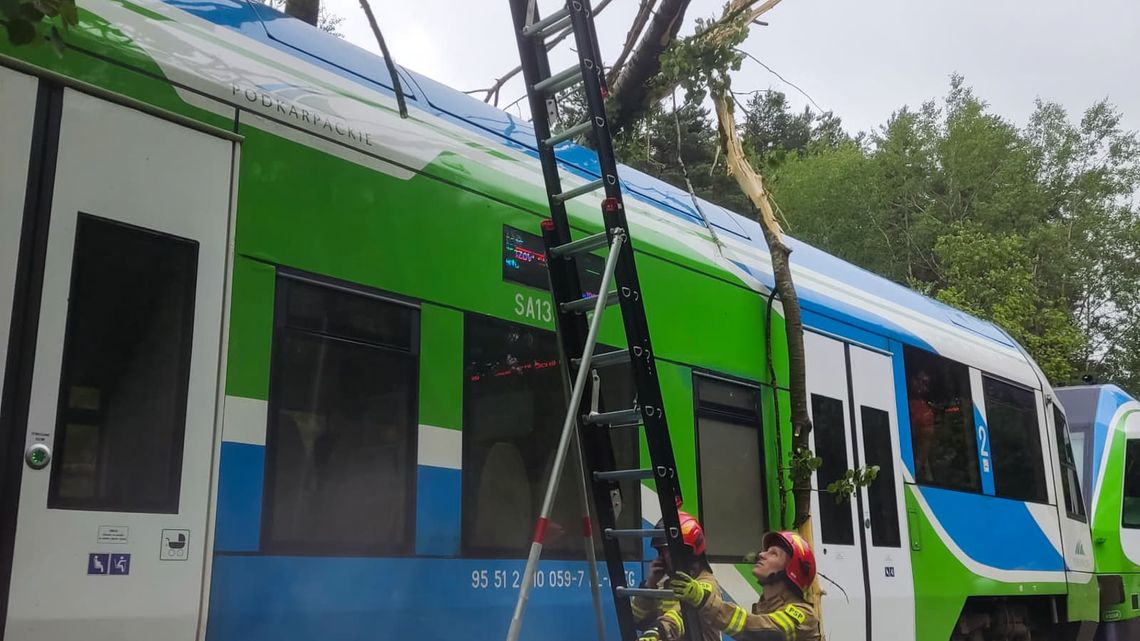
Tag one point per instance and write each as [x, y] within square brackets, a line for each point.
[631, 38]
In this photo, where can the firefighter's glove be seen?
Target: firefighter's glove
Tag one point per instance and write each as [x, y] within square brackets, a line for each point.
[688, 589]
[650, 635]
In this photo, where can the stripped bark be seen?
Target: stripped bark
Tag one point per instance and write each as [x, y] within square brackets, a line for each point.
[751, 183]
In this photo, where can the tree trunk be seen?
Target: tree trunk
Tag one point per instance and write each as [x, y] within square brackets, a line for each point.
[633, 91]
[307, 10]
[752, 184]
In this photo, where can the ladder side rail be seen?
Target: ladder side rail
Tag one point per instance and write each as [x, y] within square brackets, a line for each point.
[593, 77]
[629, 286]
[596, 454]
[569, 429]
[652, 407]
[535, 67]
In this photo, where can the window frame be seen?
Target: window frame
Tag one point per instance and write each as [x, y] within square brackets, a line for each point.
[737, 418]
[1041, 447]
[266, 545]
[470, 550]
[178, 436]
[1123, 490]
[1066, 466]
[973, 451]
[885, 481]
[822, 494]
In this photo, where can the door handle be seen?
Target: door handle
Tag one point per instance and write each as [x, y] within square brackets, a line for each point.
[38, 456]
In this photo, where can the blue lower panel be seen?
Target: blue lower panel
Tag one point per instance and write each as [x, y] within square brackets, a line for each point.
[255, 598]
[438, 492]
[239, 498]
[997, 532]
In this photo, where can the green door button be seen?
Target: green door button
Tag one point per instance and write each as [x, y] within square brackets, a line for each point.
[38, 456]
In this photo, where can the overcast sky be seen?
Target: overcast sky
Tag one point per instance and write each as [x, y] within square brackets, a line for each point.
[860, 59]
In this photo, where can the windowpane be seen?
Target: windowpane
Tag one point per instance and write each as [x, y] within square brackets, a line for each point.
[1074, 502]
[731, 467]
[1019, 471]
[1131, 516]
[884, 503]
[941, 421]
[125, 375]
[341, 447]
[514, 406]
[830, 430]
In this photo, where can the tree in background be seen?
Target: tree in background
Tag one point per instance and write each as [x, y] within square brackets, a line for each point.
[311, 12]
[1034, 227]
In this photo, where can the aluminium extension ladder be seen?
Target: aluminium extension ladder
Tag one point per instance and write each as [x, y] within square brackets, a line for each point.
[578, 336]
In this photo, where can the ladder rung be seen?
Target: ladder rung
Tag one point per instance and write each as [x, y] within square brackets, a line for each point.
[540, 26]
[648, 593]
[623, 475]
[582, 245]
[572, 132]
[605, 360]
[583, 305]
[620, 417]
[578, 191]
[633, 534]
[560, 80]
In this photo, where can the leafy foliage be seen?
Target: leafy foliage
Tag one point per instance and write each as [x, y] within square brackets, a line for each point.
[32, 22]
[845, 486]
[1034, 227]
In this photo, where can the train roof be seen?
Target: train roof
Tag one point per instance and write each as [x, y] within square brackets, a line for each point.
[831, 289]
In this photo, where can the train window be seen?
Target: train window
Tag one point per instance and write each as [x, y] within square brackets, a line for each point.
[1070, 477]
[941, 421]
[731, 466]
[1130, 517]
[1015, 436]
[513, 408]
[126, 370]
[830, 430]
[881, 494]
[341, 446]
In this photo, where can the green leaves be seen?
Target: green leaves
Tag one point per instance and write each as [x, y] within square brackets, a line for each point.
[36, 22]
[844, 487]
[704, 61]
[1035, 227]
[803, 463]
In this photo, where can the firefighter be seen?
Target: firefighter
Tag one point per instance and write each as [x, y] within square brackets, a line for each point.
[660, 620]
[784, 568]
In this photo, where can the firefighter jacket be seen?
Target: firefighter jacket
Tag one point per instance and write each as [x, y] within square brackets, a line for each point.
[665, 614]
[783, 617]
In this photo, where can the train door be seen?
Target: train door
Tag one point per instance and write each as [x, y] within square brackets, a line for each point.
[888, 563]
[838, 538]
[858, 541]
[111, 404]
[17, 117]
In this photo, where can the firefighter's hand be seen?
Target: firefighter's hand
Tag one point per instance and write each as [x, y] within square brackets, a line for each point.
[650, 635]
[656, 572]
[688, 589]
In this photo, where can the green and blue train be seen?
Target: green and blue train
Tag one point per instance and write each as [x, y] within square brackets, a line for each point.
[278, 364]
[1104, 423]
